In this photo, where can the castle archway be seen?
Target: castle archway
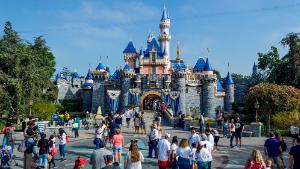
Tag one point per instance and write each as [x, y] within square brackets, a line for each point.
[151, 100]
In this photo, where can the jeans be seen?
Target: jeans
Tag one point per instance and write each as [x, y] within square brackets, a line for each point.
[201, 128]
[231, 138]
[184, 163]
[153, 146]
[43, 160]
[76, 132]
[4, 141]
[225, 132]
[209, 164]
[62, 150]
[52, 161]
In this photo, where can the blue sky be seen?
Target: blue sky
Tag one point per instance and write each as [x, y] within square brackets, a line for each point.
[79, 32]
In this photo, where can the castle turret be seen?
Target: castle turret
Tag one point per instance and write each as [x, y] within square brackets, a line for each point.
[208, 90]
[127, 75]
[130, 55]
[165, 37]
[179, 76]
[87, 92]
[229, 93]
[100, 77]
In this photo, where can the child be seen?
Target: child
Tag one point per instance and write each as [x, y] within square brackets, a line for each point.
[192, 155]
[52, 151]
[5, 157]
[79, 163]
[216, 138]
[269, 164]
[226, 129]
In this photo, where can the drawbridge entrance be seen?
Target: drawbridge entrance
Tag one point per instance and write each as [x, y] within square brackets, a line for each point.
[151, 101]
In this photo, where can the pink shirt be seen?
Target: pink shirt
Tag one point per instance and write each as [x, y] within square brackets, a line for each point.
[117, 140]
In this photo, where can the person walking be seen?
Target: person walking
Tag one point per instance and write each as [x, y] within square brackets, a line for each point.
[153, 141]
[98, 136]
[294, 130]
[216, 136]
[43, 151]
[255, 161]
[136, 123]
[76, 129]
[232, 132]
[201, 123]
[29, 144]
[52, 151]
[194, 137]
[163, 150]
[8, 138]
[183, 152]
[118, 120]
[118, 144]
[239, 127]
[174, 146]
[143, 123]
[41, 125]
[294, 155]
[97, 157]
[128, 116]
[273, 150]
[62, 144]
[282, 145]
[209, 146]
[203, 156]
[226, 129]
[134, 158]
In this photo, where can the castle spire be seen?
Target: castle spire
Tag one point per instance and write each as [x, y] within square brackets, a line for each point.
[178, 53]
[164, 14]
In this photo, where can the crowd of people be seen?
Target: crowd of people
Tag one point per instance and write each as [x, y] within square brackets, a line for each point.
[195, 151]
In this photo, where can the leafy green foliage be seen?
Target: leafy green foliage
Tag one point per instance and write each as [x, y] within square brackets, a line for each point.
[284, 120]
[25, 72]
[69, 106]
[43, 110]
[273, 98]
[285, 70]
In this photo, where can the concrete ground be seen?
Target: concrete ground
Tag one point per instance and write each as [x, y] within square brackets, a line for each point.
[224, 157]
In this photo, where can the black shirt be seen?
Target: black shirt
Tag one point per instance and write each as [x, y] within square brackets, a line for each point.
[43, 145]
[238, 127]
[295, 152]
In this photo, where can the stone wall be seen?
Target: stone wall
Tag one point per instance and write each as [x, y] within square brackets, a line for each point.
[193, 97]
[125, 86]
[98, 98]
[241, 89]
[229, 97]
[208, 92]
[68, 91]
[86, 96]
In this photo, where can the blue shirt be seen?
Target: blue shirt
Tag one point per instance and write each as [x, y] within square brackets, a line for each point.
[272, 146]
[295, 152]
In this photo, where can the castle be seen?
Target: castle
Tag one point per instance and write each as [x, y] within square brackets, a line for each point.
[149, 74]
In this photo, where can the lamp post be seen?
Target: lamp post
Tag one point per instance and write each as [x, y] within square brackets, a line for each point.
[269, 118]
[256, 106]
[30, 105]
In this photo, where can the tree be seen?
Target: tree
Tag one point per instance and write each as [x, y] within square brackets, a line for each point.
[273, 98]
[218, 74]
[285, 70]
[25, 71]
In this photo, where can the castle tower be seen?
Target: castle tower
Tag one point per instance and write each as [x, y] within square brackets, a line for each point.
[165, 37]
[208, 90]
[229, 93]
[254, 69]
[127, 75]
[87, 92]
[100, 76]
[130, 55]
[179, 76]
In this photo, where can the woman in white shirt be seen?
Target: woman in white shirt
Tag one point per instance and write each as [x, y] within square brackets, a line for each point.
[134, 158]
[174, 146]
[294, 132]
[183, 152]
[203, 156]
[62, 143]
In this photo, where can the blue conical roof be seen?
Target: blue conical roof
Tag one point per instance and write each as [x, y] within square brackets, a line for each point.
[228, 80]
[199, 66]
[116, 75]
[254, 69]
[107, 69]
[164, 14]
[75, 75]
[220, 86]
[130, 48]
[127, 68]
[100, 67]
[207, 66]
[89, 76]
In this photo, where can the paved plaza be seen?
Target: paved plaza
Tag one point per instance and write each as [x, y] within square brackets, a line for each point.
[224, 157]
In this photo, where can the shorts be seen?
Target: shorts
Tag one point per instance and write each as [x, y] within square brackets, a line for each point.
[294, 136]
[142, 126]
[238, 134]
[276, 161]
[137, 127]
[117, 149]
[162, 163]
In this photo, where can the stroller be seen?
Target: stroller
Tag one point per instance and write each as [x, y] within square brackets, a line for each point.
[7, 157]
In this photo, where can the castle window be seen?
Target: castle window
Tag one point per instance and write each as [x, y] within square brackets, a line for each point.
[186, 90]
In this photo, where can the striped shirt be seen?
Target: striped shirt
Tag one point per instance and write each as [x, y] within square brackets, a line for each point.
[41, 126]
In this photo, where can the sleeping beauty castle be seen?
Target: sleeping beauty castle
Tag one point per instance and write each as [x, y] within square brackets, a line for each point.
[151, 75]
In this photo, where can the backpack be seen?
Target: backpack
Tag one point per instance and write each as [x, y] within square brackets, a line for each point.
[22, 147]
[283, 146]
